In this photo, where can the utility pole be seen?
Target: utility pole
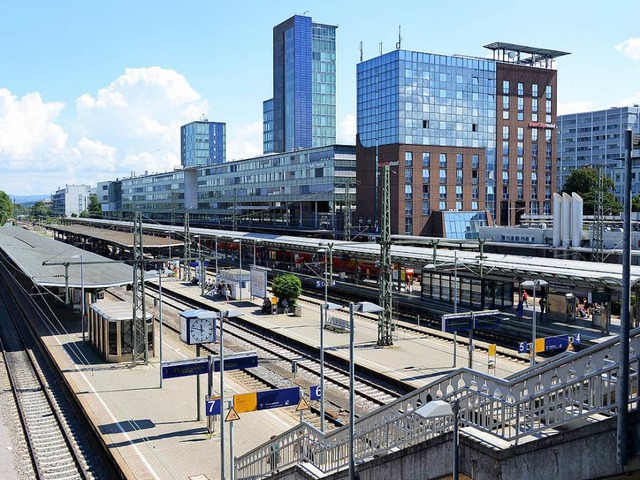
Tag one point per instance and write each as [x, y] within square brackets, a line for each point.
[347, 212]
[187, 248]
[384, 322]
[234, 214]
[597, 232]
[139, 324]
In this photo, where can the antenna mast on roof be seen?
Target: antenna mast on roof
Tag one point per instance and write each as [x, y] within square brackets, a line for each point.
[360, 51]
[399, 44]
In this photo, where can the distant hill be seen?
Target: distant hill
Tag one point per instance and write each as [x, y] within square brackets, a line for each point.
[28, 198]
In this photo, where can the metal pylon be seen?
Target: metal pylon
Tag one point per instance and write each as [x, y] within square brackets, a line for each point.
[347, 212]
[385, 337]
[138, 333]
[597, 230]
[187, 248]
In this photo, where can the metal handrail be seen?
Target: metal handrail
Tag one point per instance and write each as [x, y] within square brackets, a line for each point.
[538, 399]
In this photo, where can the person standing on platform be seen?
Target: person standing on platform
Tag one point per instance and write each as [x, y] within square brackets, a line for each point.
[525, 298]
[543, 307]
[520, 309]
[227, 293]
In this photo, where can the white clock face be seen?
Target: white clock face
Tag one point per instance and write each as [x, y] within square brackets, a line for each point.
[201, 330]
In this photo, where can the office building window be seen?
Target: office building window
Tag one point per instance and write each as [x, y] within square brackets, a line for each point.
[505, 87]
[443, 176]
[443, 160]
[426, 208]
[505, 103]
[534, 134]
[426, 192]
[475, 192]
[534, 105]
[459, 160]
[505, 132]
[459, 176]
[443, 192]
[459, 192]
[505, 114]
[475, 161]
[408, 159]
[520, 89]
[520, 134]
[408, 192]
[426, 175]
[548, 92]
[442, 205]
[548, 106]
[534, 90]
[426, 160]
[474, 205]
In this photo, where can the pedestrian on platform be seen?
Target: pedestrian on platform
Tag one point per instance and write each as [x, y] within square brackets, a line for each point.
[227, 293]
[525, 298]
[543, 307]
[520, 309]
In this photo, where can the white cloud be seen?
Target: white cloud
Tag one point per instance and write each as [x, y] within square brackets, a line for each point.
[244, 141]
[347, 130]
[133, 124]
[630, 47]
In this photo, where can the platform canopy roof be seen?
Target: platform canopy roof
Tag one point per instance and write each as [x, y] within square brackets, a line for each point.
[42, 259]
[419, 252]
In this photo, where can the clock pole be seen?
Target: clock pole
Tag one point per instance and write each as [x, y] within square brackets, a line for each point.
[198, 385]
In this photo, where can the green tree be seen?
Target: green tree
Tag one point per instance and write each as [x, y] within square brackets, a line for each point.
[40, 210]
[635, 204]
[584, 182]
[287, 286]
[6, 208]
[95, 209]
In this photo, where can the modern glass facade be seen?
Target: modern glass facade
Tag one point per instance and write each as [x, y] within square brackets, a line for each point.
[305, 189]
[416, 98]
[591, 139]
[463, 225]
[203, 143]
[303, 104]
[267, 126]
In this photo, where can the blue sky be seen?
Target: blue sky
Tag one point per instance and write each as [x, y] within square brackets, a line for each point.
[91, 91]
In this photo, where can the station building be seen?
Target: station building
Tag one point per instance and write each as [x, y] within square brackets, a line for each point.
[462, 134]
[310, 189]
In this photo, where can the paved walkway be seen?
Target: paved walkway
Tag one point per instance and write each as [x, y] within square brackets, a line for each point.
[154, 433]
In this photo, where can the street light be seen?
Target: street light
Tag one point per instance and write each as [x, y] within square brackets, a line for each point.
[533, 284]
[239, 242]
[221, 316]
[440, 408]
[362, 307]
[82, 289]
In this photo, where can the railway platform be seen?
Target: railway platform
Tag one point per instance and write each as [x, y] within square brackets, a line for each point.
[153, 432]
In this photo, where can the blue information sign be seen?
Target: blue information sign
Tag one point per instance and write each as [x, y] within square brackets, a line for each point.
[556, 342]
[212, 407]
[184, 368]
[236, 362]
[523, 347]
[282, 397]
[315, 392]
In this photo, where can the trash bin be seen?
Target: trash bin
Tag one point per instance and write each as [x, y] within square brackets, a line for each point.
[597, 318]
[297, 311]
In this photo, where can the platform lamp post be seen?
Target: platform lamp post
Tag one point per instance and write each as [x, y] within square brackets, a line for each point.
[440, 408]
[215, 237]
[82, 290]
[533, 284]
[362, 307]
[239, 242]
[221, 316]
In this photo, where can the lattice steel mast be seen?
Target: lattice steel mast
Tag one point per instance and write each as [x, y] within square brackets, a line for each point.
[139, 333]
[384, 322]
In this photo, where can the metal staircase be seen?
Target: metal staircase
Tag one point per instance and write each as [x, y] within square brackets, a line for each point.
[524, 407]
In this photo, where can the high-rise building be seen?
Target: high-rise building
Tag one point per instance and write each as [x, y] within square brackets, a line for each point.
[203, 143]
[463, 135]
[593, 139]
[302, 112]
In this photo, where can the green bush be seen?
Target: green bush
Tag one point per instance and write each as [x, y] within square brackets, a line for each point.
[287, 286]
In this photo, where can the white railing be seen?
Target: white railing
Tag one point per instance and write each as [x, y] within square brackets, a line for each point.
[542, 397]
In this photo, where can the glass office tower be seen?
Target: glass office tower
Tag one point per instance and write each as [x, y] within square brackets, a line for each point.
[203, 143]
[302, 112]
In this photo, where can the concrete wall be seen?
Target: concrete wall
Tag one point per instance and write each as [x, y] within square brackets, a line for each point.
[575, 454]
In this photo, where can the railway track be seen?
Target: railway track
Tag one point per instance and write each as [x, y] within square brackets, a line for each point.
[276, 357]
[51, 438]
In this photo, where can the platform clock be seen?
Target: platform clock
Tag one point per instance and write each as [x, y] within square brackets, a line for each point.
[197, 329]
